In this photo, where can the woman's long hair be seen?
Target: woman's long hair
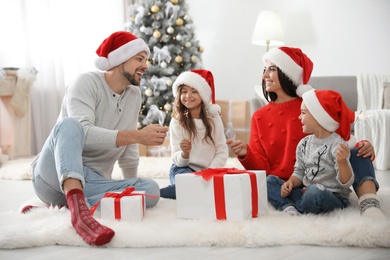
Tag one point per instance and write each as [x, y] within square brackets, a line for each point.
[287, 85]
[181, 113]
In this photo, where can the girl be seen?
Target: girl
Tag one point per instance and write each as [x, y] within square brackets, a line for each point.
[196, 130]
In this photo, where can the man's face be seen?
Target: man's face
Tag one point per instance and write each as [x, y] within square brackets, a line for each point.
[134, 68]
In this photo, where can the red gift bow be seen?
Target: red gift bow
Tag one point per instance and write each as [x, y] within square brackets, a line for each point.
[117, 197]
[218, 173]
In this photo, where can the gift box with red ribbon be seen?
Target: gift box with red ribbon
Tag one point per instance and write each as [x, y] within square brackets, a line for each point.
[126, 205]
[221, 193]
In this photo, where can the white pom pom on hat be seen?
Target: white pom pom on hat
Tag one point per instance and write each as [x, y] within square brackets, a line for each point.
[118, 48]
[330, 111]
[294, 63]
[203, 81]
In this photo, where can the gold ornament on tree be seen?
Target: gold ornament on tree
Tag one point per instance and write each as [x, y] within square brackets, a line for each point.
[201, 49]
[155, 9]
[194, 58]
[179, 22]
[178, 59]
[157, 34]
[175, 2]
[167, 107]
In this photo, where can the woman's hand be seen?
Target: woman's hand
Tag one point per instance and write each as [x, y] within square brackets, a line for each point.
[238, 147]
[366, 150]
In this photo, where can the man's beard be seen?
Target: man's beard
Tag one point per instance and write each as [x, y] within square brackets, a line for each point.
[130, 77]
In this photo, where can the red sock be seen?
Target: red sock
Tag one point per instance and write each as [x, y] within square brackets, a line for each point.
[86, 226]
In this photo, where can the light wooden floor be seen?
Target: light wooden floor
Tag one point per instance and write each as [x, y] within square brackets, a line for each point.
[14, 193]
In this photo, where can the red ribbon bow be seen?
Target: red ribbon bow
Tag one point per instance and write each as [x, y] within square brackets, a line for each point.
[117, 197]
[219, 191]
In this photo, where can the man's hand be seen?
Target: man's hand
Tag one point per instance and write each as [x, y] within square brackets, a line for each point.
[153, 134]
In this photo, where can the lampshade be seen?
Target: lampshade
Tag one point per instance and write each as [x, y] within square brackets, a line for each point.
[268, 30]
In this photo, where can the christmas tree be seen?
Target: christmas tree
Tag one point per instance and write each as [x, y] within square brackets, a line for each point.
[168, 30]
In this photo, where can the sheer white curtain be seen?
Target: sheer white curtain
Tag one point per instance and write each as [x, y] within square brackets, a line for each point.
[59, 39]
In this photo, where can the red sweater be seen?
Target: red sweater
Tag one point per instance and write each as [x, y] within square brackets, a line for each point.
[275, 133]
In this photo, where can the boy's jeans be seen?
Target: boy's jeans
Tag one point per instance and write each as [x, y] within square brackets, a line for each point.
[316, 199]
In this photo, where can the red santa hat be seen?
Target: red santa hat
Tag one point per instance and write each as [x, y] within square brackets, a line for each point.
[118, 48]
[330, 111]
[203, 81]
[294, 63]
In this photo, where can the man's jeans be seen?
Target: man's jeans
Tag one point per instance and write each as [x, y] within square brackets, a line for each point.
[61, 158]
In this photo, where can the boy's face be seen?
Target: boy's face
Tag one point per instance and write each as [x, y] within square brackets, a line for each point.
[309, 124]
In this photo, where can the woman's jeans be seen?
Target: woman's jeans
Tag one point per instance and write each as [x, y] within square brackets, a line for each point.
[316, 199]
[61, 158]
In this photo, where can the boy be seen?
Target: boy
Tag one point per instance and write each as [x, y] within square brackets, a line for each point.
[322, 174]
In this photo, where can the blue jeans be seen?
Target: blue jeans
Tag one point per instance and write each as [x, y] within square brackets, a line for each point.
[363, 169]
[314, 200]
[61, 158]
[178, 170]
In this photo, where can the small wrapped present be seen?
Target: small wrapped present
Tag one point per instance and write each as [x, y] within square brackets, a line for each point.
[127, 205]
[221, 193]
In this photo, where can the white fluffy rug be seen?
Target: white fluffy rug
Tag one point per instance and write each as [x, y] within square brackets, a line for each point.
[161, 228]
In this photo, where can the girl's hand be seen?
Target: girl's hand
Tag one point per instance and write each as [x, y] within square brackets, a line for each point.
[186, 146]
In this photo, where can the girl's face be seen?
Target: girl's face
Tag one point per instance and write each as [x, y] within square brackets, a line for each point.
[270, 77]
[309, 124]
[190, 97]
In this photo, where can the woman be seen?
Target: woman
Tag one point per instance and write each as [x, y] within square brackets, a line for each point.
[276, 129]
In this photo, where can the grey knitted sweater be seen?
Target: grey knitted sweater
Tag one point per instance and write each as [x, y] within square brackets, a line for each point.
[316, 163]
[102, 113]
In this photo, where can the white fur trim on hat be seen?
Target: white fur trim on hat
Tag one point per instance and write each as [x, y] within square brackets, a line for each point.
[122, 54]
[302, 89]
[195, 81]
[351, 142]
[318, 112]
[214, 110]
[286, 64]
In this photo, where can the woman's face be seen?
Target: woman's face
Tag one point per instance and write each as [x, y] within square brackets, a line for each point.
[270, 77]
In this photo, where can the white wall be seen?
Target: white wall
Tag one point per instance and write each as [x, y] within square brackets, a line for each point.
[342, 37]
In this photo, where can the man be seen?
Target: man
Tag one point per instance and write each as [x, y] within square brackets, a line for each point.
[97, 126]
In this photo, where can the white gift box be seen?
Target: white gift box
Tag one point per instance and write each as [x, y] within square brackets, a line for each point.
[132, 207]
[196, 197]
